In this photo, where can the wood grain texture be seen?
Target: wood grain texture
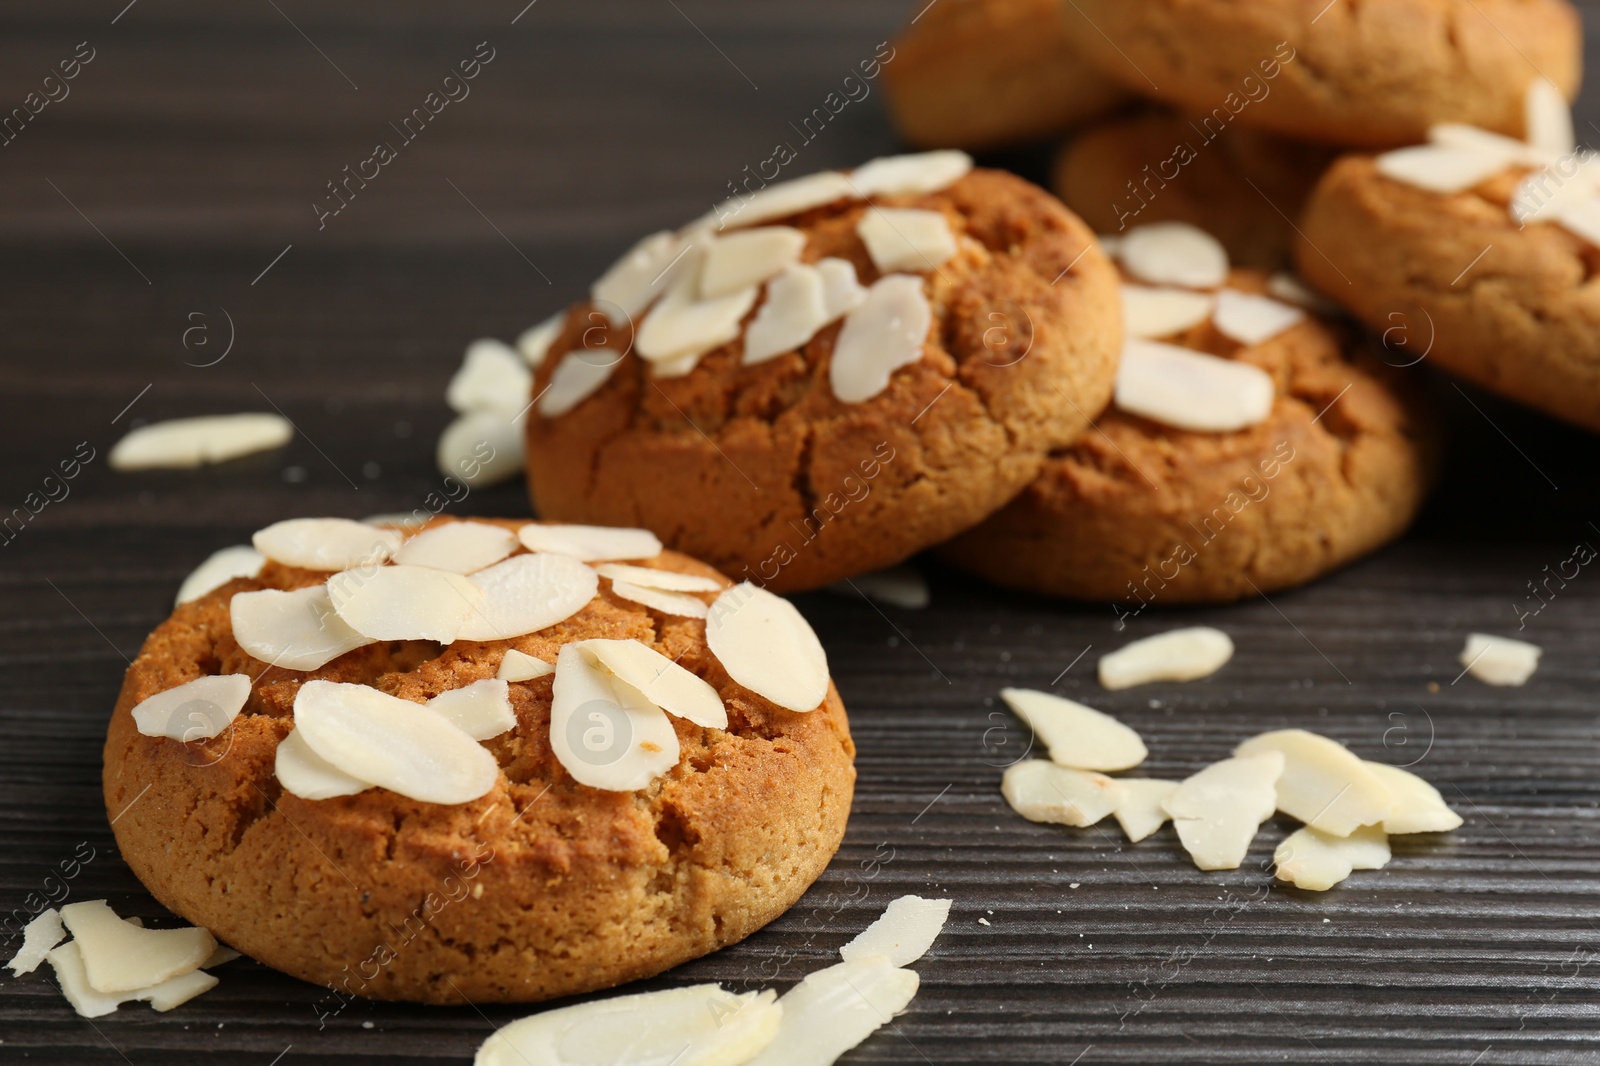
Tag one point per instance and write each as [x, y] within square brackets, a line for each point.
[194, 144]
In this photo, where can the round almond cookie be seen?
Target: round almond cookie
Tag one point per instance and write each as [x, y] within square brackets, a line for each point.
[1253, 445]
[989, 73]
[1360, 74]
[477, 760]
[831, 374]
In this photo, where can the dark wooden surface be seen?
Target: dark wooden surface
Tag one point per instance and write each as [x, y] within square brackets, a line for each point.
[187, 157]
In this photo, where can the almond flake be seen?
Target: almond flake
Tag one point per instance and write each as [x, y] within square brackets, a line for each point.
[651, 578]
[493, 377]
[795, 308]
[304, 773]
[768, 647]
[1418, 807]
[404, 602]
[1548, 120]
[897, 586]
[1191, 390]
[481, 710]
[1176, 655]
[1218, 810]
[834, 1009]
[577, 377]
[1251, 319]
[459, 547]
[1316, 861]
[67, 961]
[195, 710]
[482, 448]
[223, 954]
[1149, 311]
[1291, 289]
[644, 272]
[296, 630]
[842, 291]
[701, 1025]
[520, 666]
[660, 680]
[606, 734]
[1440, 169]
[673, 603]
[118, 957]
[412, 520]
[1546, 194]
[189, 442]
[590, 543]
[884, 334]
[1511, 152]
[1140, 811]
[326, 543]
[748, 257]
[1323, 784]
[394, 743]
[527, 593]
[1041, 791]
[1078, 737]
[903, 934]
[910, 175]
[41, 934]
[1110, 243]
[1500, 660]
[904, 238]
[534, 343]
[677, 367]
[220, 567]
[784, 199]
[683, 323]
[1174, 253]
[1582, 220]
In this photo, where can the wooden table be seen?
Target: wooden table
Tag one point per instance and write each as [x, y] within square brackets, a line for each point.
[160, 256]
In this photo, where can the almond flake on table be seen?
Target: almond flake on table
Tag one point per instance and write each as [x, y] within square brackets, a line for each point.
[195, 710]
[795, 308]
[67, 961]
[520, 666]
[644, 272]
[915, 174]
[1324, 784]
[304, 773]
[220, 567]
[604, 731]
[1252, 319]
[481, 710]
[652, 578]
[326, 543]
[1140, 811]
[885, 333]
[1418, 807]
[404, 602]
[43, 932]
[296, 630]
[1078, 737]
[393, 743]
[1160, 311]
[493, 377]
[746, 258]
[482, 448]
[1316, 861]
[903, 933]
[459, 547]
[767, 646]
[1191, 390]
[898, 586]
[118, 957]
[683, 324]
[1500, 660]
[905, 238]
[659, 679]
[183, 443]
[1440, 168]
[782, 200]
[527, 593]
[590, 543]
[1218, 810]
[534, 342]
[1041, 791]
[834, 1009]
[1174, 253]
[577, 377]
[1547, 118]
[1177, 655]
[673, 603]
[842, 291]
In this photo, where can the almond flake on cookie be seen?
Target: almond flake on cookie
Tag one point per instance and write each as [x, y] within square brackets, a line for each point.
[493, 377]
[1159, 311]
[906, 238]
[1418, 807]
[482, 448]
[182, 443]
[118, 957]
[527, 593]
[393, 743]
[1251, 319]
[1139, 811]
[1544, 195]
[578, 376]
[1291, 289]
[1041, 791]
[660, 600]
[903, 933]
[1078, 737]
[1174, 253]
[660, 680]
[1438, 168]
[304, 773]
[195, 710]
[644, 272]
[326, 543]
[1316, 861]
[296, 630]
[910, 175]
[605, 732]
[747, 257]
[1191, 390]
[1582, 220]
[520, 666]
[590, 543]
[767, 646]
[534, 342]
[651, 578]
[1547, 118]
[1511, 151]
[842, 291]
[1218, 810]
[782, 200]
[404, 602]
[884, 334]
[220, 567]
[481, 710]
[1500, 660]
[1323, 783]
[834, 1009]
[43, 932]
[459, 547]
[795, 308]
[684, 324]
[677, 367]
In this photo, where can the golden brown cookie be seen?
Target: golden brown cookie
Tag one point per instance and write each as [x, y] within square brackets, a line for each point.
[988, 73]
[539, 887]
[1004, 315]
[1349, 73]
[1141, 513]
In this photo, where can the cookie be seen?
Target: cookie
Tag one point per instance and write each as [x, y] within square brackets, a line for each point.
[404, 821]
[1358, 74]
[1283, 452]
[989, 73]
[821, 386]
[1241, 185]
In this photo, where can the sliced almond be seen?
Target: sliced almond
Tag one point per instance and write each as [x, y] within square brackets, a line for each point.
[1252, 319]
[747, 257]
[527, 593]
[834, 1009]
[795, 308]
[534, 342]
[1140, 811]
[1545, 195]
[176, 991]
[520, 666]
[1418, 807]
[897, 586]
[590, 543]
[394, 743]
[577, 377]
[224, 954]
[910, 175]
[903, 934]
[189, 442]
[68, 963]
[651, 578]
[1291, 289]
[493, 377]
[676, 367]
[1548, 119]
[683, 323]
[1174, 253]
[296, 630]
[481, 710]
[1041, 791]
[842, 291]
[43, 932]
[118, 957]
[1510, 151]
[644, 272]
[326, 543]
[404, 602]
[904, 238]
[1191, 390]
[1439, 168]
[220, 567]
[768, 647]
[195, 710]
[412, 520]
[304, 773]
[605, 733]
[1156, 311]
[1316, 861]
[1218, 810]
[660, 680]
[1176, 655]
[459, 547]
[783, 199]
[482, 448]
[1323, 784]
[1582, 220]
[1078, 737]
[658, 600]
[1500, 660]
[884, 334]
